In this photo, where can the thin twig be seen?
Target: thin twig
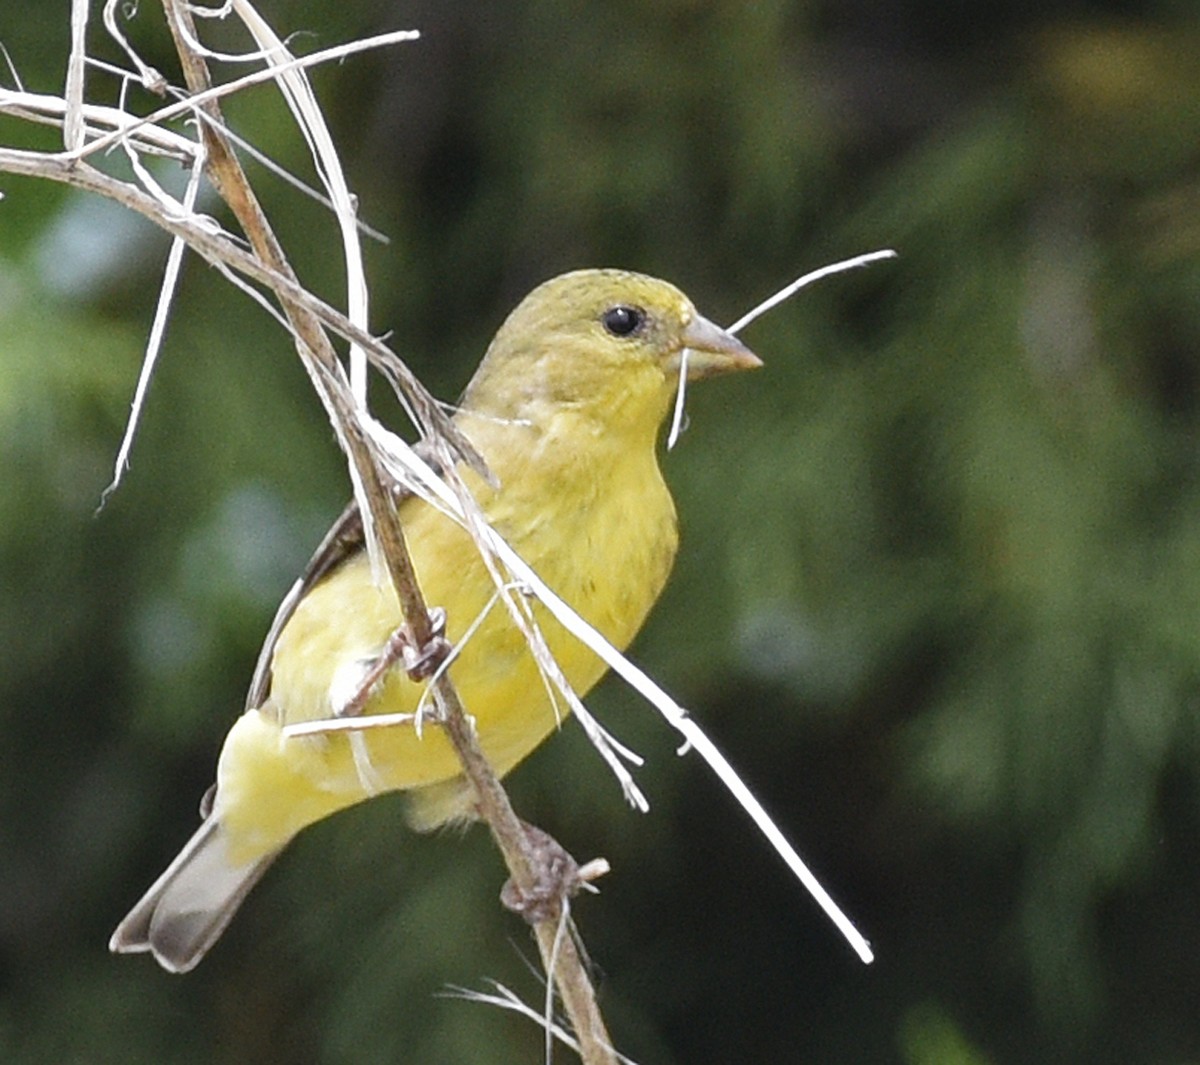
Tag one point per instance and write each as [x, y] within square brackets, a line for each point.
[293, 83]
[504, 998]
[73, 127]
[49, 110]
[154, 343]
[807, 279]
[258, 77]
[150, 78]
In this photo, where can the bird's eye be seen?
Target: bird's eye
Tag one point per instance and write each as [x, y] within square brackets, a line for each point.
[622, 321]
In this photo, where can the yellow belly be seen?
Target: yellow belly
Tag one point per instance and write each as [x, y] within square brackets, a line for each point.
[607, 554]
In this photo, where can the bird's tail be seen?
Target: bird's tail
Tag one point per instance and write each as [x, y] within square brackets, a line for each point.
[187, 908]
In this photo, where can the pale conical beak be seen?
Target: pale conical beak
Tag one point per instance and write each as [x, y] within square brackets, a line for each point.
[711, 351]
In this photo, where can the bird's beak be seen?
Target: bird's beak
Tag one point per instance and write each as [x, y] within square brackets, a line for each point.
[711, 351]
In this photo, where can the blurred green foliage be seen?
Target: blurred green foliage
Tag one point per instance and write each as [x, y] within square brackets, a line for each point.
[939, 595]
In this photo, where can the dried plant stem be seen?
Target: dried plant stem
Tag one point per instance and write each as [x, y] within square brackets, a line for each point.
[560, 956]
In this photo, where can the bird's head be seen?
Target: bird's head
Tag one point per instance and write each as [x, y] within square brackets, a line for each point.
[608, 344]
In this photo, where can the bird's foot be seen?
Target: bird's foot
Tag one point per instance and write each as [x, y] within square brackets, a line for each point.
[420, 663]
[557, 877]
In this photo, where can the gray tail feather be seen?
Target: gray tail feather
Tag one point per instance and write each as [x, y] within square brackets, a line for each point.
[187, 908]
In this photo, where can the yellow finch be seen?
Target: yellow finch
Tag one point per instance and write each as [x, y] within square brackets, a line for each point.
[565, 409]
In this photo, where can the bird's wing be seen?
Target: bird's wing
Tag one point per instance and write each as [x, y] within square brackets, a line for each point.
[344, 540]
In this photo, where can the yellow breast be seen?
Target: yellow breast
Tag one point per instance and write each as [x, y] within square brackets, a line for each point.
[598, 526]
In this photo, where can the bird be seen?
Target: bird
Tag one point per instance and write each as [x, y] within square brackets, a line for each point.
[565, 408]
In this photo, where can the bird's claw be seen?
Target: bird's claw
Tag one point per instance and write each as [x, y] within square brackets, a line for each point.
[557, 876]
[421, 663]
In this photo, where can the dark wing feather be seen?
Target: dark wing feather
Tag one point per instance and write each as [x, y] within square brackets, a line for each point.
[343, 540]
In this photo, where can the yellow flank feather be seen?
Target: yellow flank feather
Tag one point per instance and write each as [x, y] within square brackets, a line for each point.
[565, 408]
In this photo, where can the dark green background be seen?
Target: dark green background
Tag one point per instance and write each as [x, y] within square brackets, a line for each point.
[939, 592]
